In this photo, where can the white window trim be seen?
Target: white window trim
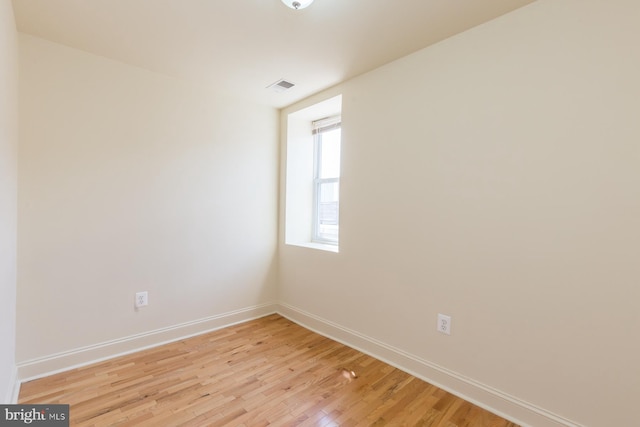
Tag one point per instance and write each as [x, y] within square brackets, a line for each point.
[320, 126]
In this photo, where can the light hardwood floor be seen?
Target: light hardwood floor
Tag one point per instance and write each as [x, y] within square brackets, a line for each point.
[267, 372]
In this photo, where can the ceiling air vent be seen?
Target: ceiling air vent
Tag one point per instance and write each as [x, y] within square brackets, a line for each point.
[280, 86]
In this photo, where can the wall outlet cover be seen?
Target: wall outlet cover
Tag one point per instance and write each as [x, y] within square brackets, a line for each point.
[444, 324]
[142, 299]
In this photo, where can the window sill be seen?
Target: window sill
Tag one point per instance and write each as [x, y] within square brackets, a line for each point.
[319, 246]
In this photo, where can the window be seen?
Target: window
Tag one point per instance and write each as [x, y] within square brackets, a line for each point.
[326, 194]
[312, 180]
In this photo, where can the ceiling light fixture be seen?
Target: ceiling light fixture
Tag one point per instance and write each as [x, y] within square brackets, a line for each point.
[297, 4]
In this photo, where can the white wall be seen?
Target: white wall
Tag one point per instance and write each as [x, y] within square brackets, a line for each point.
[495, 177]
[8, 197]
[131, 181]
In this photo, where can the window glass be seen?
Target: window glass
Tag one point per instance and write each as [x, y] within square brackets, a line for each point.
[330, 154]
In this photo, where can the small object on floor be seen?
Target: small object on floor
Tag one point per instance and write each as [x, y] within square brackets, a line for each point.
[348, 374]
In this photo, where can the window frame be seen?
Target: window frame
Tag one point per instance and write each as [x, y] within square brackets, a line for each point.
[319, 127]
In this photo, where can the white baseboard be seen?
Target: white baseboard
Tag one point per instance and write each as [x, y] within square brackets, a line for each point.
[11, 394]
[15, 393]
[487, 397]
[60, 362]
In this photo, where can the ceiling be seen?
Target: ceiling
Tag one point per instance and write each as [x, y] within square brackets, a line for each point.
[242, 46]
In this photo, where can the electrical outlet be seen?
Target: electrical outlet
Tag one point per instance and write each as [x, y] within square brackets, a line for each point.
[142, 299]
[444, 324]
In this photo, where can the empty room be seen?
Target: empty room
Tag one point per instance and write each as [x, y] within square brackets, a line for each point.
[320, 213]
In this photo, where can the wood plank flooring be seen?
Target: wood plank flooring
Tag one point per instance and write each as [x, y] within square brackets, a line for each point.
[267, 372]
